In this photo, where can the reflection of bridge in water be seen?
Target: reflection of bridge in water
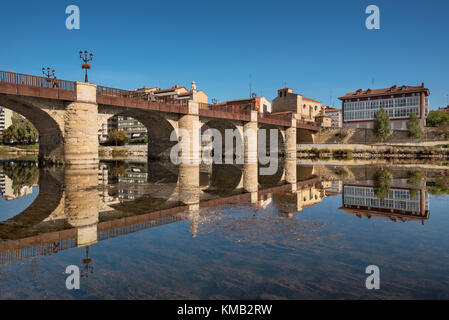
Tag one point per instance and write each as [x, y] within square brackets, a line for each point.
[68, 211]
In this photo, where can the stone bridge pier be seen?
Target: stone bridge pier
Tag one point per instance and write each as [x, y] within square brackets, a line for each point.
[80, 127]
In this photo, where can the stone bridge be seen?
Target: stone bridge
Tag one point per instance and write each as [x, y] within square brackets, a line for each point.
[69, 115]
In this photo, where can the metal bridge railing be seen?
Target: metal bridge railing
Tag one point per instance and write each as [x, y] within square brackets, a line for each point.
[36, 81]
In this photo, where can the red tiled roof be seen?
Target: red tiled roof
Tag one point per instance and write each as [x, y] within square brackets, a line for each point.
[308, 99]
[284, 112]
[331, 110]
[235, 100]
[170, 89]
[385, 91]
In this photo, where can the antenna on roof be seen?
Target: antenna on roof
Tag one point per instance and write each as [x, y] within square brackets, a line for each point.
[250, 87]
[372, 83]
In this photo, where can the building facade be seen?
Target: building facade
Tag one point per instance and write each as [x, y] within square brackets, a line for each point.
[5, 119]
[335, 115]
[132, 127]
[360, 107]
[289, 102]
[260, 104]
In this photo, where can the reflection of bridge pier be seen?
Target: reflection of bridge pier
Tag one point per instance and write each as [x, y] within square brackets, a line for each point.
[250, 169]
[82, 203]
[189, 192]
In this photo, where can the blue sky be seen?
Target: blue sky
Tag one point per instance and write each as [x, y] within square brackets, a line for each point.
[318, 48]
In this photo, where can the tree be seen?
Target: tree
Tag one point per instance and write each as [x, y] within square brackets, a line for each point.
[382, 183]
[414, 127]
[20, 132]
[382, 126]
[443, 131]
[415, 180]
[440, 186]
[436, 118]
[21, 176]
[117, 137]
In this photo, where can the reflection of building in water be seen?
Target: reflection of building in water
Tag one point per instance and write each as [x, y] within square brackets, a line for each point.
[310, 196]
[293, 201]
[400, 204]
[2, 183]
[265, 200]
[132, 183]
[103, 182]
[336, 188]
[7, 188]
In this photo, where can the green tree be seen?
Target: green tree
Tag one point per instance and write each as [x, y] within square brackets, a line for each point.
[440, 186]
[20, 132]
[382, 183]
[415, 180]
[443, 131]
[414, 127]
[21, 176]
[382, 126]
[118, 137]
[436, 118]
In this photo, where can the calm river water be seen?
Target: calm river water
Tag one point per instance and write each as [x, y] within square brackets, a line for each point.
[136, 233]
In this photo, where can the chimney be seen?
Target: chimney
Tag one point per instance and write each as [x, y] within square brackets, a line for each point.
[422, 84]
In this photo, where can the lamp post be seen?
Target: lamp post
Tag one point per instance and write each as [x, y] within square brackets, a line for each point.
[47, 73]
[87, 57]
[87, 265]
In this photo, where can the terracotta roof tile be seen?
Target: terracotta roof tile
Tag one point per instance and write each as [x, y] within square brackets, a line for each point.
[385, 91]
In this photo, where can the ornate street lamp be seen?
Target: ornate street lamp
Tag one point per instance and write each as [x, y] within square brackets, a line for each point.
[47, 73]
[86, 58]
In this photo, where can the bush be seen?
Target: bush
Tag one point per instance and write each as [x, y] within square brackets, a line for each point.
[143, 140]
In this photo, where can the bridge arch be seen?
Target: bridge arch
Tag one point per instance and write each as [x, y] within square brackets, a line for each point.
[304, 136]
[222, 125]
[159, 127]
[225, 179]
[47, 116]
[280, 135]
